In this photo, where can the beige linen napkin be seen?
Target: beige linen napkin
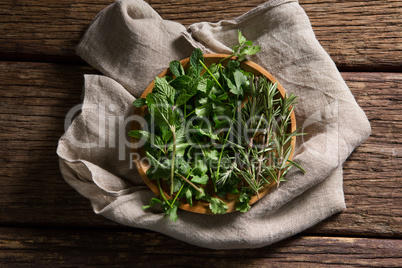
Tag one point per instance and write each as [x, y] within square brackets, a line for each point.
[130, 44]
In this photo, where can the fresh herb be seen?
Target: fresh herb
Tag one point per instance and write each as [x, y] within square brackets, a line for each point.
[203, 144]
[244, 48]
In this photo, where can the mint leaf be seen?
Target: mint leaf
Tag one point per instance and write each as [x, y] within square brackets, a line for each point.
[166, 133]
[182, 99]
[176, 68]
[161, 111]
[195, 59]
[157, 170]
[163, 88]
[182, 82]
[202, 85]
[152, 139]
[139, 102]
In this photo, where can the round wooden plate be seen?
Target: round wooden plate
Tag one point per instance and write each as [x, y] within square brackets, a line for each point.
[230, 200]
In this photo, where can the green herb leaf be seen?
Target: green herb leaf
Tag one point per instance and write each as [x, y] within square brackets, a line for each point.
[154, 201]
[177, 184]
[202, 85]
[235, 48]
[180, 148]
[157, 170]
[172, 211]
[182, 99]
[240, 79]
[161, 111]
[241, 38]
[166, 133]
[182, 82]
[189, 196]
[212, 155]
[204, 110]
[219, 108]
[207, 133]
[200, 167]
[195, 59]
[244, 200]
[244, 48]
[152, 139]
[250, 50]
[217, 206]
[200, 195]
[176, 68]
[139, 102]
[163, 88]
[200, 179]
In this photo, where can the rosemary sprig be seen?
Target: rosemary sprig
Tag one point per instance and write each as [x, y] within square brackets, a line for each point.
[269, 118]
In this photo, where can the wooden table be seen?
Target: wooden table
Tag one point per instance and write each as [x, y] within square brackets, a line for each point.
[45, 223]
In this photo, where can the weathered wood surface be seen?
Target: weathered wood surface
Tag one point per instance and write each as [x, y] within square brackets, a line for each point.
[357, 34]
[35, 97]
[95, 248]
[45, 223]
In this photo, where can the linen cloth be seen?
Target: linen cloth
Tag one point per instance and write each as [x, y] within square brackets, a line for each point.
[131, 44]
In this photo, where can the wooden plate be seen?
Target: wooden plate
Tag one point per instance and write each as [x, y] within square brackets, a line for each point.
[230, 200]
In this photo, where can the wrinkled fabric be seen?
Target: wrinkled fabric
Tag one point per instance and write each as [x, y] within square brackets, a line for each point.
[131, 44]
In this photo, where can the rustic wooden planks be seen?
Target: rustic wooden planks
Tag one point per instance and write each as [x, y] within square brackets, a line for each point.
[357, 34]
[95, 248]
[44, 222]
[36, 96]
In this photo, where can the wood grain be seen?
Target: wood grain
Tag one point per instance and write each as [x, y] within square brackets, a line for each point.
[95, 248]
[45, 223]
[359, 35]
[35, 97]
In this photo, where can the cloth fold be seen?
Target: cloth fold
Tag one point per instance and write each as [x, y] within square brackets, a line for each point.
[130, 44]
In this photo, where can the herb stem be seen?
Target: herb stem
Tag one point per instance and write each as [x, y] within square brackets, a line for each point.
[173, 160]
[213, 76]
[189, 182]
[161, 192]
[181, 188]
[175, 198]
[220, 155]
[202, 106]
[222, 60]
